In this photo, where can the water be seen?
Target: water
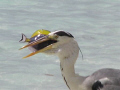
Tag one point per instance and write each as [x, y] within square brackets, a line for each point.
[95, 25]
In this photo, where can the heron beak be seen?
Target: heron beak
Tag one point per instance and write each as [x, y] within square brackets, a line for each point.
[42, 50]
[40, 41]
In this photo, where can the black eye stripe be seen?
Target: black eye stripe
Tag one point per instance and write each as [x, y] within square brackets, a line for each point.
[62, 33]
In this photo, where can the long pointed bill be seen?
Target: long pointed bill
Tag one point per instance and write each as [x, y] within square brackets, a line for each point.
[36, 42]
[42, 50]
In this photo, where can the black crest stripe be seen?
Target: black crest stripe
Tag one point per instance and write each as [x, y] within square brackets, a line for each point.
[62, 33]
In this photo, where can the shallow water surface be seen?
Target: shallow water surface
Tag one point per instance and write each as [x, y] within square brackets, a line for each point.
[94, 24]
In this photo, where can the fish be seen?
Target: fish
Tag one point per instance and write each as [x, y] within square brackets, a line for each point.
[32, 45]
[35, 36]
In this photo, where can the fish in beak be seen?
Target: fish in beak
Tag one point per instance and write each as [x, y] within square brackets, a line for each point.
[40, 41]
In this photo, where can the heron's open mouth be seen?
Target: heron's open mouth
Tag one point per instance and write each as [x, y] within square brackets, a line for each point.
[42, 44]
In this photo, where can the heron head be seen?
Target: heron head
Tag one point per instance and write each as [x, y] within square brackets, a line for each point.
[58, 42]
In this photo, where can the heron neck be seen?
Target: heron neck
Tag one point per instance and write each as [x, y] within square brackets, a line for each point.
[67, 68]
[68, 71]
[68, 55]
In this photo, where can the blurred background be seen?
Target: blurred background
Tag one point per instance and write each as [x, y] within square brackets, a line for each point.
[94, 24]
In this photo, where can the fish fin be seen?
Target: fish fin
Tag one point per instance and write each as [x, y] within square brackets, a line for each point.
[41, 31]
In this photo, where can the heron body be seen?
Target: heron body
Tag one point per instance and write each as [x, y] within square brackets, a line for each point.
[67, 49]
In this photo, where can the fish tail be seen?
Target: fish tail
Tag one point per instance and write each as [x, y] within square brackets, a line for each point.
[24, 38]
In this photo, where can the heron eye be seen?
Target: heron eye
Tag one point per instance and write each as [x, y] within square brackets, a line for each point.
[55, 36]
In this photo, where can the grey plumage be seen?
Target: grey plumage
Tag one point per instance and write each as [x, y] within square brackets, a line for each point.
[113, 76]
[111, 87]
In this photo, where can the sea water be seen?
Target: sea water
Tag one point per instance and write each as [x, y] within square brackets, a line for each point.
[95, 24]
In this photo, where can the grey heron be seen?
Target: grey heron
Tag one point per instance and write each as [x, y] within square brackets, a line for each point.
[64, 45]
